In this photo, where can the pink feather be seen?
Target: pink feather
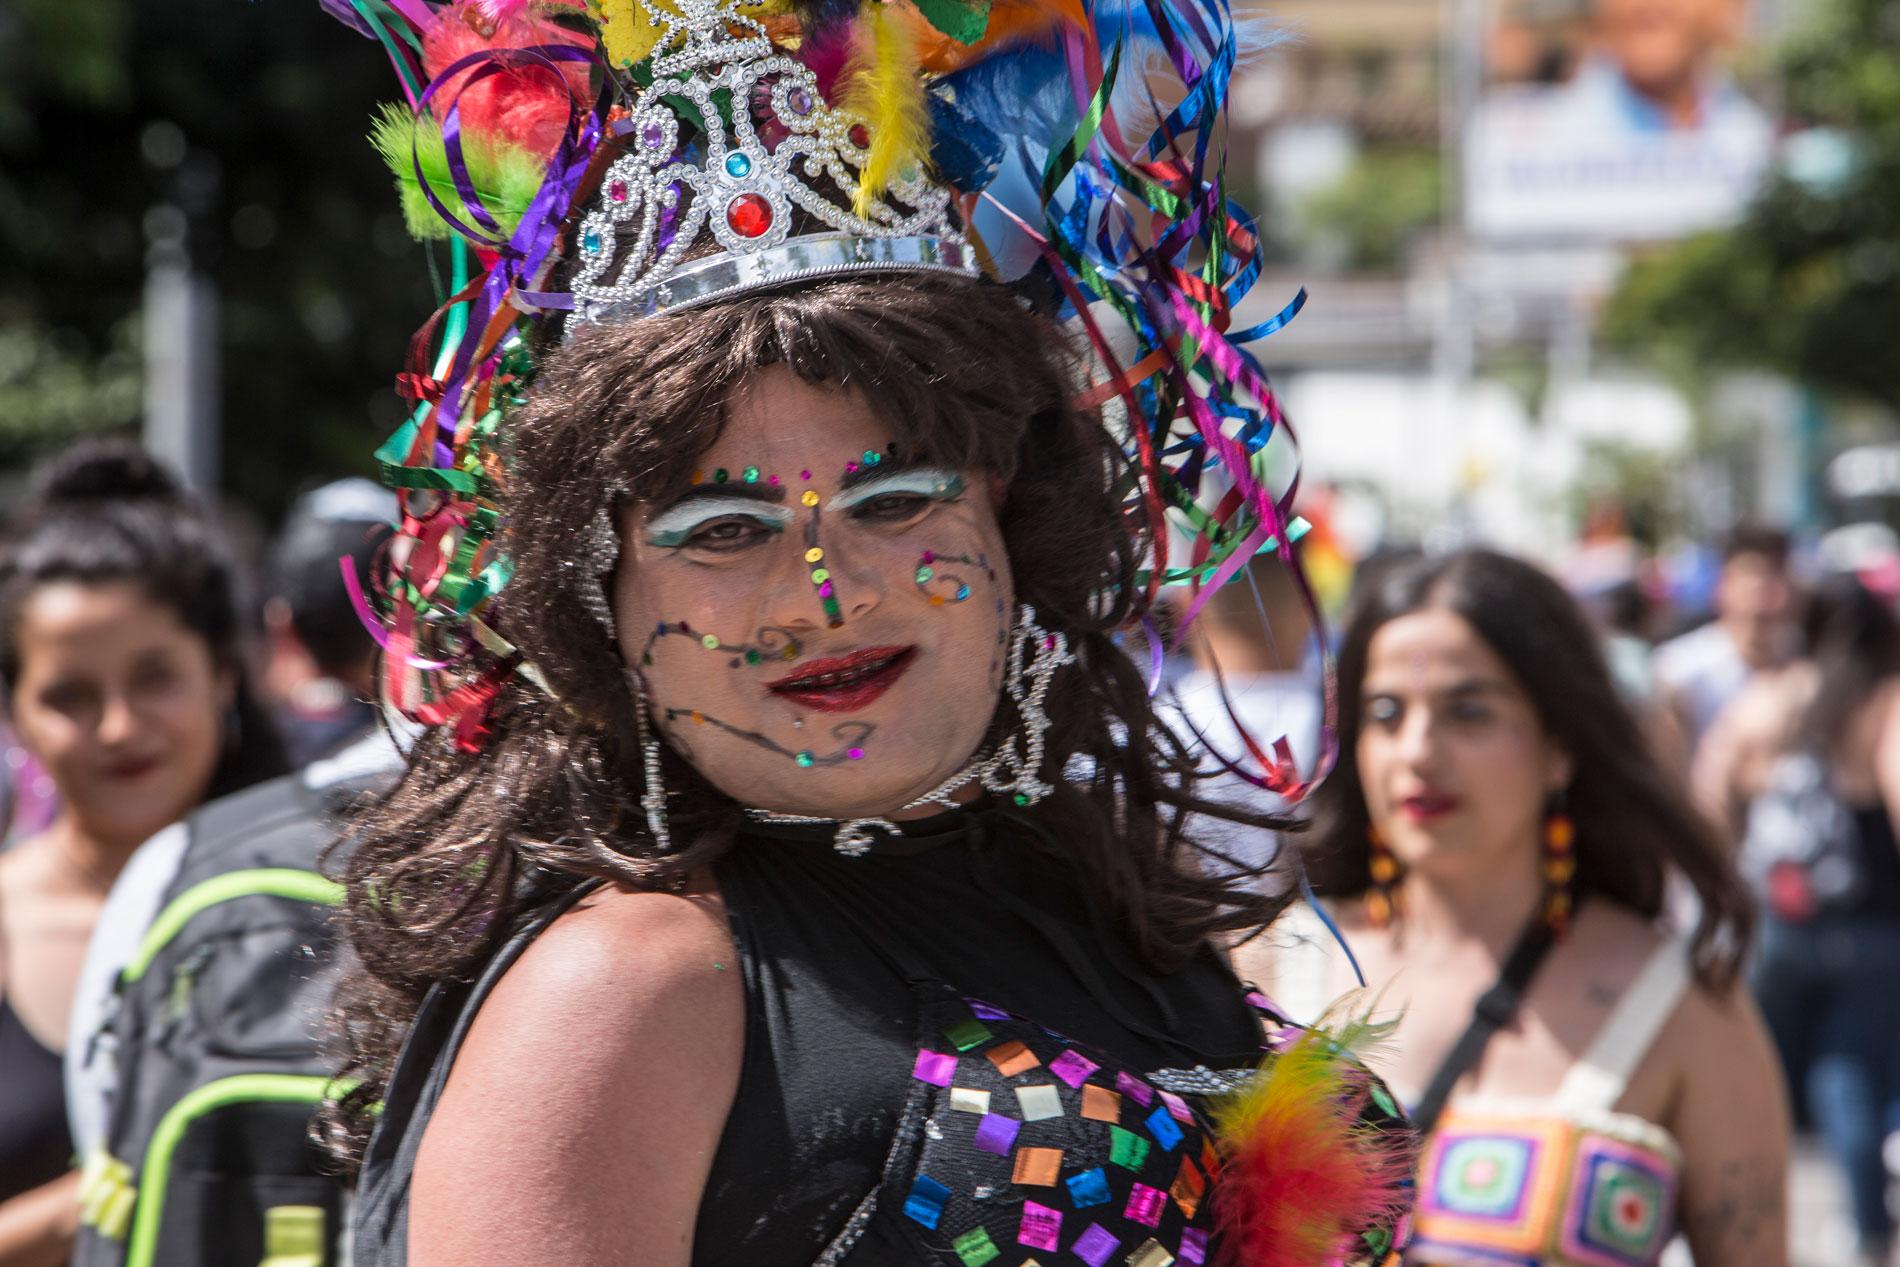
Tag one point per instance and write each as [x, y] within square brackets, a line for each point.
[826, 51]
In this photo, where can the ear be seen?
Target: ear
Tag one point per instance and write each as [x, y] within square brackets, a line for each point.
[1559, 767]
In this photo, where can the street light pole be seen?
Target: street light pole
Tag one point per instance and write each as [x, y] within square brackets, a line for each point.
[181, 314]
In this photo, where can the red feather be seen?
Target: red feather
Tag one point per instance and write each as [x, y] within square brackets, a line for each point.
[526, 106]
[1303, 1177]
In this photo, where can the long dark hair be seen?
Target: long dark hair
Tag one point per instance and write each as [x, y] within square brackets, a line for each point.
[967, 377]
[105, 511]
[1853, 639]
[1634, 822]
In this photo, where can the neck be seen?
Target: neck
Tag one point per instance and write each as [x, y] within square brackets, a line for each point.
[93, 857]
[1489, 905]
[1680, 100]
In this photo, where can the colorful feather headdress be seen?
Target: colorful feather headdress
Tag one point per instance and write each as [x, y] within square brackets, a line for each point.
[1073, 143]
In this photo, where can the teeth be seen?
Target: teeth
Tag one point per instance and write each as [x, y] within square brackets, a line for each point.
[844, 677]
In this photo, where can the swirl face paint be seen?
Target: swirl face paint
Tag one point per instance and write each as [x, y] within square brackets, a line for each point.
[769, 644]
[941, 583]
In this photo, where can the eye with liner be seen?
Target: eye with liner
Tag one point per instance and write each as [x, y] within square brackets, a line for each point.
[899, 497]
[717, 525]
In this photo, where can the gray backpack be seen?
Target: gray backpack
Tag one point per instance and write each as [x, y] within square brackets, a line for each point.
[214, 1032]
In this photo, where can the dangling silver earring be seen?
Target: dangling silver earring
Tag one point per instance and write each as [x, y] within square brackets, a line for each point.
[653, 799]
[600, 555]
[1034, 656]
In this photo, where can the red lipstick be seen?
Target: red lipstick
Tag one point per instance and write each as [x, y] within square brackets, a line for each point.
[131, 768]
[1427, 807]
[847, 683]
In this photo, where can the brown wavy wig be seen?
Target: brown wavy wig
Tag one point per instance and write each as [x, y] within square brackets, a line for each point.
[968, 377]
[1634, 822]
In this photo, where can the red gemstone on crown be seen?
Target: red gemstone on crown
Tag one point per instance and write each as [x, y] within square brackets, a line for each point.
[860, 136]
[617, 191]
[750, 215]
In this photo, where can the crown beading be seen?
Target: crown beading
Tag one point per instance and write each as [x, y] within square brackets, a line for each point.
[655, 203]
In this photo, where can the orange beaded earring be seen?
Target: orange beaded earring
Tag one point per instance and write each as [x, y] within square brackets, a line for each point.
[1559, 865]
[1382, 899]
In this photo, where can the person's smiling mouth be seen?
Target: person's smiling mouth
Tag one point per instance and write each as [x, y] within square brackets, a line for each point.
[847, 683]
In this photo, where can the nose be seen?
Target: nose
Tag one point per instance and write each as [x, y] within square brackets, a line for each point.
[1418, 739]
[817, 585]
[118, 720]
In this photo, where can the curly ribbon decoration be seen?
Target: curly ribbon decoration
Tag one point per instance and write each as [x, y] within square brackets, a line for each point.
[1137, 227]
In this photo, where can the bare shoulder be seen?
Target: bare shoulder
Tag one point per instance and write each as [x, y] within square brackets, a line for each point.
[622, 1023]
[617, 963]
[1760, 713]
[1711, 1026]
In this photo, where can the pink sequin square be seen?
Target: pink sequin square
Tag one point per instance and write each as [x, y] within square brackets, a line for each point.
[1145, 1205]
[1073, 1068]
[935, 1067]
[1135, 1089]
[1041, 1228]
[1178, 1108]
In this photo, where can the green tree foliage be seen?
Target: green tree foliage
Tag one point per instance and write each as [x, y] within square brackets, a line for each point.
[1808, 284]
[1369, 218]
[319, 285]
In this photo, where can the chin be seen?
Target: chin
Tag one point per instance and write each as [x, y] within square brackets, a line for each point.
[872, 788]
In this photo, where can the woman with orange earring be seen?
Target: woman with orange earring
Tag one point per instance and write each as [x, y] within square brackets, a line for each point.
[1495, 844]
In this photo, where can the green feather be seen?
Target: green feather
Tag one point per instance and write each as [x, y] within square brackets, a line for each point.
[965, 21]
[506, 177]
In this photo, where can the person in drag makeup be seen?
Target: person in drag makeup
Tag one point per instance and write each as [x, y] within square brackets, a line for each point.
[793, 868]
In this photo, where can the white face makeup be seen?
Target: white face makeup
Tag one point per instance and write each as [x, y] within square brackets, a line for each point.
[819, 624]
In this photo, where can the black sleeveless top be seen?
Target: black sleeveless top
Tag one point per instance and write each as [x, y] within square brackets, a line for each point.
[35, 1147]
[951, 1058]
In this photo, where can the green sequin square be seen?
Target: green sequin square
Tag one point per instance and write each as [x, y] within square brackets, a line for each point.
[976, 1248]
[967, 1033]
[1127, 1149]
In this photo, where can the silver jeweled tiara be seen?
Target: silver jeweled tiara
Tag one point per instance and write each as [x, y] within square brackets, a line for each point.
[654, 204]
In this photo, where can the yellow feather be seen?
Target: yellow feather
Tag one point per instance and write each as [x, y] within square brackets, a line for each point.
[628, 28]
[885, 89]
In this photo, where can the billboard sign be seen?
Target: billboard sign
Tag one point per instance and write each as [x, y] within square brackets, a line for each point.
[1612, 121]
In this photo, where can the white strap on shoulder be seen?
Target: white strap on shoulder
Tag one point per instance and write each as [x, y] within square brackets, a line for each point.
[1595, 1083]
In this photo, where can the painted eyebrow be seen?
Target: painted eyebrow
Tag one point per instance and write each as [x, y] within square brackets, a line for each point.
[745, 492]
[691, 511]
[878, 470]
[1468, 686]
[932, 481]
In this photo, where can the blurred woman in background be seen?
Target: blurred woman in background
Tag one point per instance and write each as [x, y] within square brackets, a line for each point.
[120, 664]
[1804, 771]
[1496, 842]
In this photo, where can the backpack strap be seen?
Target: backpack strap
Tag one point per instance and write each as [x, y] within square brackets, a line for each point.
[380, 1219]
[1496, 1008]
[1596, 1082]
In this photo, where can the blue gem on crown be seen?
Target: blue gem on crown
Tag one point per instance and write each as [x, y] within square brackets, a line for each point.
[659, 201]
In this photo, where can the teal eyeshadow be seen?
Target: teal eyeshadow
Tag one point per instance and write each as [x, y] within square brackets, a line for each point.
[664, 532]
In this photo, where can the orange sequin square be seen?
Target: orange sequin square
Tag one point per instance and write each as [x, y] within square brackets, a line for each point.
[1037, 1167]
[1188, 1187]
[1101, 1104]
[1012, 1058]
